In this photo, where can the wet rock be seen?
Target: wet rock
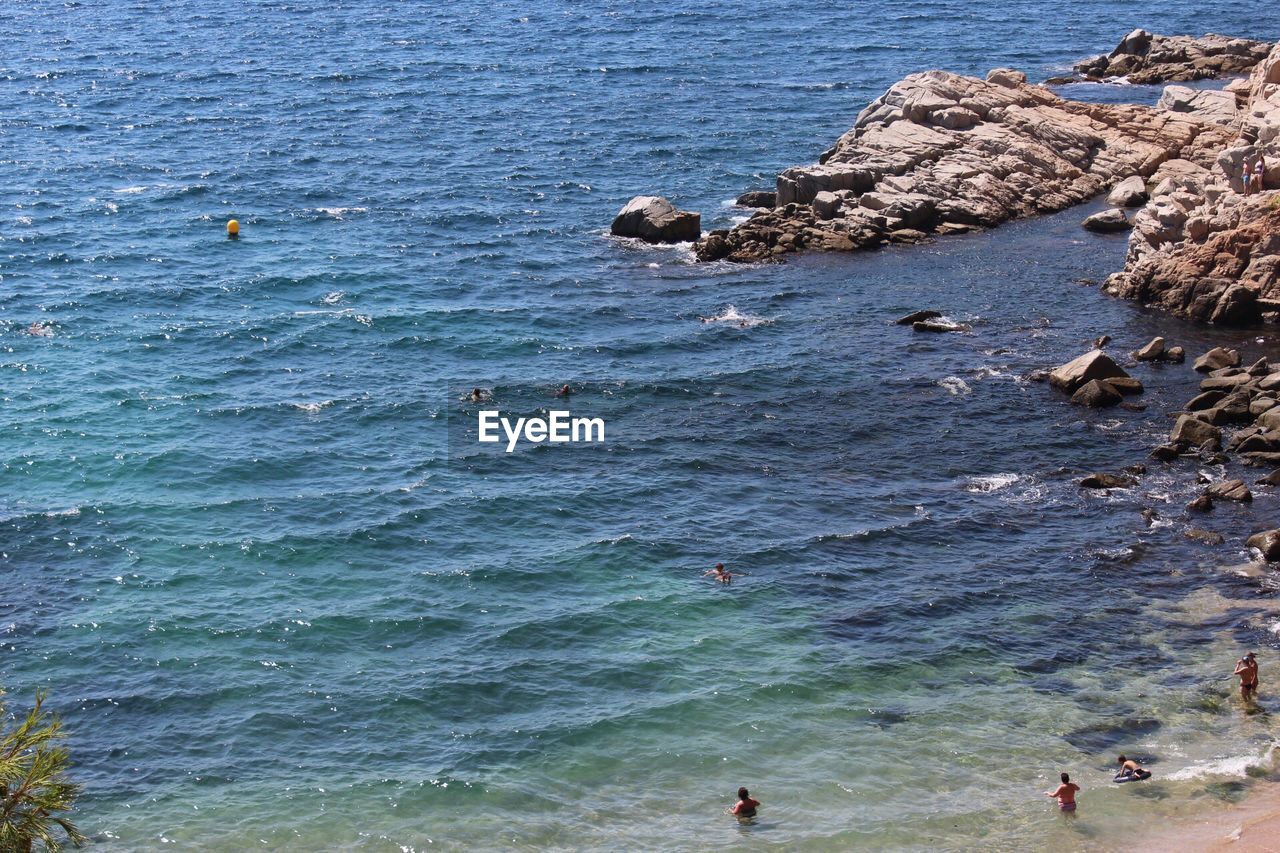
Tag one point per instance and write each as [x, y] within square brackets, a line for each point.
[1166, 452]
[1268, 542]
[1195, 432]
[1230, 490]
[1206, 537]
[1101, 341]
[1205, 400]
[1261, 405]
[1095, 364]
[758, 198]
[1107, 222]
[1272, 479]
[1125, 384]
[936, 326]
[1096, 394]
[1258, 368]
[1131, 192]
[1204, 503]
[1153, 351]
[1107, 481]
[1175, 355]
[656, 220]
[1217, 358]
[918, 316]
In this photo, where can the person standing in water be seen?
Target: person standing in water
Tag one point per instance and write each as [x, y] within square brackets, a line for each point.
[1065, 794]
[745, 807]
[1247, 669]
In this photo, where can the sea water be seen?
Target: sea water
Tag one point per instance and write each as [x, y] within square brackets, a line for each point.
[248, 544]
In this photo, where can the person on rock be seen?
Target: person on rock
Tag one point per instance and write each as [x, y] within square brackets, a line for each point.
[1259, 172]
[1246, 175]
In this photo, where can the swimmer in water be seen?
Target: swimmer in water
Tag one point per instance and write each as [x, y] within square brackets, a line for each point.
[564, 391]
[719, 573]
[1065, 794]
[745, 806]
[477, 394]
[1247, 669]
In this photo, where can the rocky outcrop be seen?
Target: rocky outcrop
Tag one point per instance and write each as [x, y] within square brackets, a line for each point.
[1131, 192]
[655, 220]
[944, 153]
[1200, 248]
[1142, 57]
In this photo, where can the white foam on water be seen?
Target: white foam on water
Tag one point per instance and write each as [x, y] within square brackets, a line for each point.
[991, 482]
[1235, 766]
[955, 386]
[312, 408]
[732, 315]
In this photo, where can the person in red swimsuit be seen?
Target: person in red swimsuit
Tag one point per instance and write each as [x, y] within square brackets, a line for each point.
[1065, 794]
[745, 806]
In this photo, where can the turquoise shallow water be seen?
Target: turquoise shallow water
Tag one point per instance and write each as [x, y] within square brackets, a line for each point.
[247, 543]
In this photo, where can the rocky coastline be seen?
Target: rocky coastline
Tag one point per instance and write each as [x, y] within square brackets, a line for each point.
[943, 153]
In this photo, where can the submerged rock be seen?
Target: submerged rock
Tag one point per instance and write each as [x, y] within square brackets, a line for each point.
[655, 220]
[918, 316]
[1096, 394]
[1230, 490]
[1107, 481]
[1268, 542]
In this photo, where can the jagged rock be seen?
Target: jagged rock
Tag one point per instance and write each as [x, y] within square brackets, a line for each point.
[1101, 341]
[1207, 537]
[1166, 452]
[1268, 542]
[1195, 432]
[1259, 368]
[1107, 481]
[1153, 351]
[1131, 192]
[758, 198]
[1204, 503]
[656, 220]
[1204, 400]
[1107, 222]
[1216, 359]
[1272, 479]
[825, 204]
[1125, 384]
[1230, 490]
[917, 316]
[1146, 58]
[1096, 394]
[1095, 364]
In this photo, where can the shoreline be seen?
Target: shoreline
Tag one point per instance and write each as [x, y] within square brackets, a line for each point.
[1250, 826]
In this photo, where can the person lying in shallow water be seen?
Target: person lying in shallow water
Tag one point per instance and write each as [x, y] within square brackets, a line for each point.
[745, 806]
[1129, 769]
[1065, 794]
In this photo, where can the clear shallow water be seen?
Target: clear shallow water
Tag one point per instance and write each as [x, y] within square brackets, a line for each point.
[279, 601]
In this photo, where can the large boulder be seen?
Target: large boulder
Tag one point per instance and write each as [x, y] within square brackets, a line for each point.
[1107, 222]
[758, 198]
[1095, 364]
[1096, 394]
[1131, 192]
[1230, 490]
[655, 220]
[1193, 431]
[1218, 358]
[1268, 542]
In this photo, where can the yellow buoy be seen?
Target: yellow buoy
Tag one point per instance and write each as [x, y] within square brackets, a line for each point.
[233, 228]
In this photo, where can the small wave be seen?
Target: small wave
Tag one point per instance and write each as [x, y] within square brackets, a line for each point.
[955, 386]
[340, 212]
[1235, 765]
[333, 298]
[131, 190]
[735, 317]
[312, 408]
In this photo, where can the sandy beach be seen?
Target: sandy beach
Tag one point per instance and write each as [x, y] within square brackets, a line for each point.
[1253, 826]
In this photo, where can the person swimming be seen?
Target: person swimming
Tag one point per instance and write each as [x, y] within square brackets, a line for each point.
[745, 806]
[1129, 769]
[477, 394]
[1247, 669]
[564, 391]
[719, 573]
[1065, 794]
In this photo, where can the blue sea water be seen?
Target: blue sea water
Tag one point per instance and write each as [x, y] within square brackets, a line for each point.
[249, 547]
